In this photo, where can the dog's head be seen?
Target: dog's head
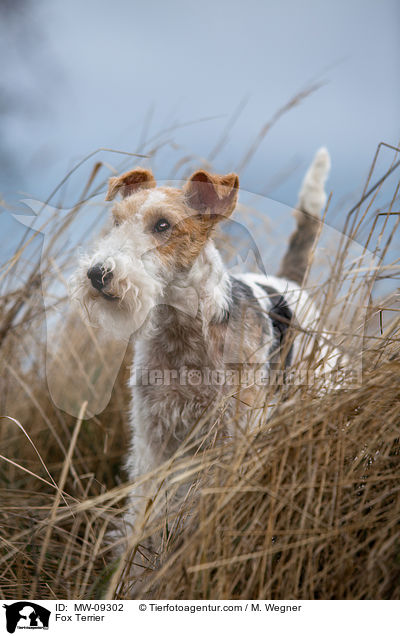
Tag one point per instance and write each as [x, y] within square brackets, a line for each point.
[156, 235]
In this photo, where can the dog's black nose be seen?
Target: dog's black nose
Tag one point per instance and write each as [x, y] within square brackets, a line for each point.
[99, 276]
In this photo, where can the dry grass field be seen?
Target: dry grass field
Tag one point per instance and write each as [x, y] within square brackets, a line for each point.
[306, 506]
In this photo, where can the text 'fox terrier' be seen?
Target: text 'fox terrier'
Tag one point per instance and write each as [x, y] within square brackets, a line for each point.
[140, 280]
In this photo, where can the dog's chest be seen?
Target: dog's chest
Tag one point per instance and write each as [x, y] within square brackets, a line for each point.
[177, 374]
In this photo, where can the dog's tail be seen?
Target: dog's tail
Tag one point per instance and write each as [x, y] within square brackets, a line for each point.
[312, 199]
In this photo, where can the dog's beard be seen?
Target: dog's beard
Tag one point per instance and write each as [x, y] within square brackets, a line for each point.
[123, 307]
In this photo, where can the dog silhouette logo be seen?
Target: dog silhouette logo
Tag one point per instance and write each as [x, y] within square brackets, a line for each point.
[26, 615]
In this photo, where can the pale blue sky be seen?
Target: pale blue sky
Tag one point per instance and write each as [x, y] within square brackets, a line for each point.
[86, 74]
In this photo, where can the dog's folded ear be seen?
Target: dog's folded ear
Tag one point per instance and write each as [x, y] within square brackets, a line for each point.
[130, 182]
[212, 194]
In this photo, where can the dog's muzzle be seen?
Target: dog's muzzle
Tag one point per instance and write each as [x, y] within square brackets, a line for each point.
[99, 276]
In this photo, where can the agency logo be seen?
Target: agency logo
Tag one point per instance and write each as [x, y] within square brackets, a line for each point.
[26, 615]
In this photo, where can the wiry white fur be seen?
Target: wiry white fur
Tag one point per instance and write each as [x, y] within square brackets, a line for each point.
[154, 197]
[204, 288]
[138, 281]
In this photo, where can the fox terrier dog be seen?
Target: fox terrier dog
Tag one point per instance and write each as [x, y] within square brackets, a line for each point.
[157, 275]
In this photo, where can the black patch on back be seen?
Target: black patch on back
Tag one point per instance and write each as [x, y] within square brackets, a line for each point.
[241, 294]
[280, 312]
[281, 316]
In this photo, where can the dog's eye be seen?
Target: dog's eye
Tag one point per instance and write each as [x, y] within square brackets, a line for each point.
[161, 225]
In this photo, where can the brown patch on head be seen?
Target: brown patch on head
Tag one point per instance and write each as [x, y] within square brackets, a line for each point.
[212, 195]
[147, 206]
[204, 200]
[184, 243]
[130, 182]
[191, 212]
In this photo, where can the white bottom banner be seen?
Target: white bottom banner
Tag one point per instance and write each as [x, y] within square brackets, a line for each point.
[178, 617]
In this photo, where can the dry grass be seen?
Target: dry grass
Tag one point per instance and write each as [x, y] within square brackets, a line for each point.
[305, 506]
